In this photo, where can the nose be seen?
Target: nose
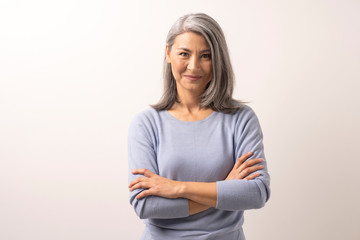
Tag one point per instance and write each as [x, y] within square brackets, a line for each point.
[193, 63]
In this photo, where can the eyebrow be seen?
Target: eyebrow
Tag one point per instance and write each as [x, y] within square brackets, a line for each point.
[187, 50]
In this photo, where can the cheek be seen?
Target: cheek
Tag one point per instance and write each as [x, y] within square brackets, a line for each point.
[208, 70]
[178, 66]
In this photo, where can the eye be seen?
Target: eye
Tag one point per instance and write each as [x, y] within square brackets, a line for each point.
[206, 55]
[184, 54]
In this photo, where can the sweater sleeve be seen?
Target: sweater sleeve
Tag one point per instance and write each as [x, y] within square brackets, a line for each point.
[142, 154]
[246, 194]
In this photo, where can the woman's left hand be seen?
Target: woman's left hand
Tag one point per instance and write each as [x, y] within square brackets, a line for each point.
[154, 185]
[244, 169]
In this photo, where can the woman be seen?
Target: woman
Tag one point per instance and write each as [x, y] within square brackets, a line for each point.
[196, 158]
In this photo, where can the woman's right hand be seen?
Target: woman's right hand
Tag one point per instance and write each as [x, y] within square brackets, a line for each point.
[243, 169]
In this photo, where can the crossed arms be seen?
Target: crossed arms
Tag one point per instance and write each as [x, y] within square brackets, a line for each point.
[246, 186]
[201, 195]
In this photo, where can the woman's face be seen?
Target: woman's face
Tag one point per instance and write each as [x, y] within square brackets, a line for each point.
[190, 59]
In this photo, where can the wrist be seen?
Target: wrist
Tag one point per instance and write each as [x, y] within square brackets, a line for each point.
[181, 189]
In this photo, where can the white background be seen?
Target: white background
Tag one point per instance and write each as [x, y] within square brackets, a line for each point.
[73, 73]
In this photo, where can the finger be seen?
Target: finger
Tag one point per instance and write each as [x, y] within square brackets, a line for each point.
[241, 159]
[143, 171]
[250, 163]
[143, 185]
[144, 194]
[138, 171]
[246, 172]
[253, 176]
[137, 180]
[148, 173]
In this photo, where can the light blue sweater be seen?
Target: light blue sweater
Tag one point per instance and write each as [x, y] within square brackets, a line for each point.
[201, 151]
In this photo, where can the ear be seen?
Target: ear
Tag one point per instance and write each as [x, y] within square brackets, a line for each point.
[167, 53]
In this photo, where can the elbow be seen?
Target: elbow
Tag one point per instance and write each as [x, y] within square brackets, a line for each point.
[259, 196]
[141, 214]
[140, 209]
[256, 201]
[262, 196]
[144, 213]
[259, 202]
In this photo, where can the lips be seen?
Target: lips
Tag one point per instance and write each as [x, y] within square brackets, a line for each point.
[192, 77]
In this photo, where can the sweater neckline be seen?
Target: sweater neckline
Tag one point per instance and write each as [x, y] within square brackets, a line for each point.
[171, 117]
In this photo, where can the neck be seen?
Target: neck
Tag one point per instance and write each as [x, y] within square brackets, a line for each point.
[188, 102]
[188, 108]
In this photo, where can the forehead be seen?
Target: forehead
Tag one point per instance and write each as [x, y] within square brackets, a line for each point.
[191, 39]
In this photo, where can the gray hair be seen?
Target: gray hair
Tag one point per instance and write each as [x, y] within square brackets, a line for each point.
[218, 93]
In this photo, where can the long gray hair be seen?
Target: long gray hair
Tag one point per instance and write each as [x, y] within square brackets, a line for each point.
[218, 93]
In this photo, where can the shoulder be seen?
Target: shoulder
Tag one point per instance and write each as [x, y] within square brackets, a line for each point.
[246, 119]
[147, 115]
[243, 114]
[148, 119]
